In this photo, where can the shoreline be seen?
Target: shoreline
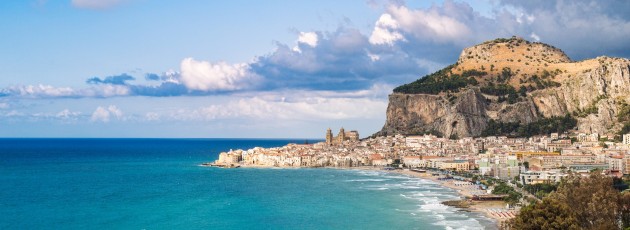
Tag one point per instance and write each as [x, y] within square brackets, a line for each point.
[493, 210]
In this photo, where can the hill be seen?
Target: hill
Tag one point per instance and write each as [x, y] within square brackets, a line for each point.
[517, 87]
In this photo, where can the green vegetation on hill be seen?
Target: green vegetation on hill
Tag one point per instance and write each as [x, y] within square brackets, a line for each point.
[440, 81]
[623, 116]
[540, 127]
[502, 90]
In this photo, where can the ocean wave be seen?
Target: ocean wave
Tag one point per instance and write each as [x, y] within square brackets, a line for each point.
[468, 224]
[434, 207]
[367, 180]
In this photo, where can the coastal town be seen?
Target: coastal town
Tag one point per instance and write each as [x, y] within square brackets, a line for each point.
[531, 160]
[519, 163]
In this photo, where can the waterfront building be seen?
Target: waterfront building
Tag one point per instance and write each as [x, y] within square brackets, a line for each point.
[455, 165]
[412, 161]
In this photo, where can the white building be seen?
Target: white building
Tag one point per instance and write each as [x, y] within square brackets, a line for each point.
[537, 177]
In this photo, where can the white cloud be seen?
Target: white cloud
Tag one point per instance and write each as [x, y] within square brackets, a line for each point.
[309, 38]
[428, 24]
[103, 114]
[95, 4]
[221, 76]
[528, 18]
[4, 105]
[534, 36]
[306, 38]
[276, 107]
[67, 114]
[113, 110]
[48, 91]
[100, 114]
[385, 31]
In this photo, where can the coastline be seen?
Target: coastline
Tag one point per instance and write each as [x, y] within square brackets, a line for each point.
[493, 210]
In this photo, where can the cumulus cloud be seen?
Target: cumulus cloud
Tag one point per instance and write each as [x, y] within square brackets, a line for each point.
[102, 114]
[433, 24]
[206, 76]
[308, 38]
[95, 4]
[582, 28]
[385, 31]
[404, 44]
[342, 60]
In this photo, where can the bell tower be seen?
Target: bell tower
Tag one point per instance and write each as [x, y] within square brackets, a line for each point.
[329, 137]
[341, 136]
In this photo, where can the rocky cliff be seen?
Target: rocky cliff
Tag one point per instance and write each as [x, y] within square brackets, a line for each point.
[512, 80]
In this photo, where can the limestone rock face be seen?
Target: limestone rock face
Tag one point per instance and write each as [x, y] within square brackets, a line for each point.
[597, 85]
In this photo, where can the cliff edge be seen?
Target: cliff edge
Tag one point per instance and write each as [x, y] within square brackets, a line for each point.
[507, 84]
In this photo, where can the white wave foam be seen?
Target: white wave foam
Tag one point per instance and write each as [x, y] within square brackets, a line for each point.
[366, 180]
[468, 224]
[434, 207]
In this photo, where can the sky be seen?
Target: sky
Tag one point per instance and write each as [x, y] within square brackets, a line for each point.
[245, 69]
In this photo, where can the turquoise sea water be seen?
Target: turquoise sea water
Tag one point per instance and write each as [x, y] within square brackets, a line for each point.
[157, 184]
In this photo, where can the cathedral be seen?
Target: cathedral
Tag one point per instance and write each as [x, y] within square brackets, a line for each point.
[341, 137]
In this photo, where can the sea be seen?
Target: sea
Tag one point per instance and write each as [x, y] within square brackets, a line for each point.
[159, 184]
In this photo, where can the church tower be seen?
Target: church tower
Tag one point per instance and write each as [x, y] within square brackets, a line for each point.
[341, 136]
[329, 137]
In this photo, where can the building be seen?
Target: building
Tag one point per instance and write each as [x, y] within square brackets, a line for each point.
[552, 162]
[329, 137]
[626, 139]
[412, 161]
[537, 177]
[507, 169]
[525, 155]
[455, 165]
[557, 146]
[616, 163]
[341, 137]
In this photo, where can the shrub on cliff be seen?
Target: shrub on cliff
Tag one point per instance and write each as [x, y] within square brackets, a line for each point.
[440, 81]
[540, 127]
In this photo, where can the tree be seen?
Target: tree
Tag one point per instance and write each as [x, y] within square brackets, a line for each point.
[549, 214]
[579, 203]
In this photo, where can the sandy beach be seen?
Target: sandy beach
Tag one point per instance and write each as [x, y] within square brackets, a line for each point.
[493, 209]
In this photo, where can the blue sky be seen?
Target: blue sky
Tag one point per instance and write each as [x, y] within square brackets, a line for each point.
[142, 68]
